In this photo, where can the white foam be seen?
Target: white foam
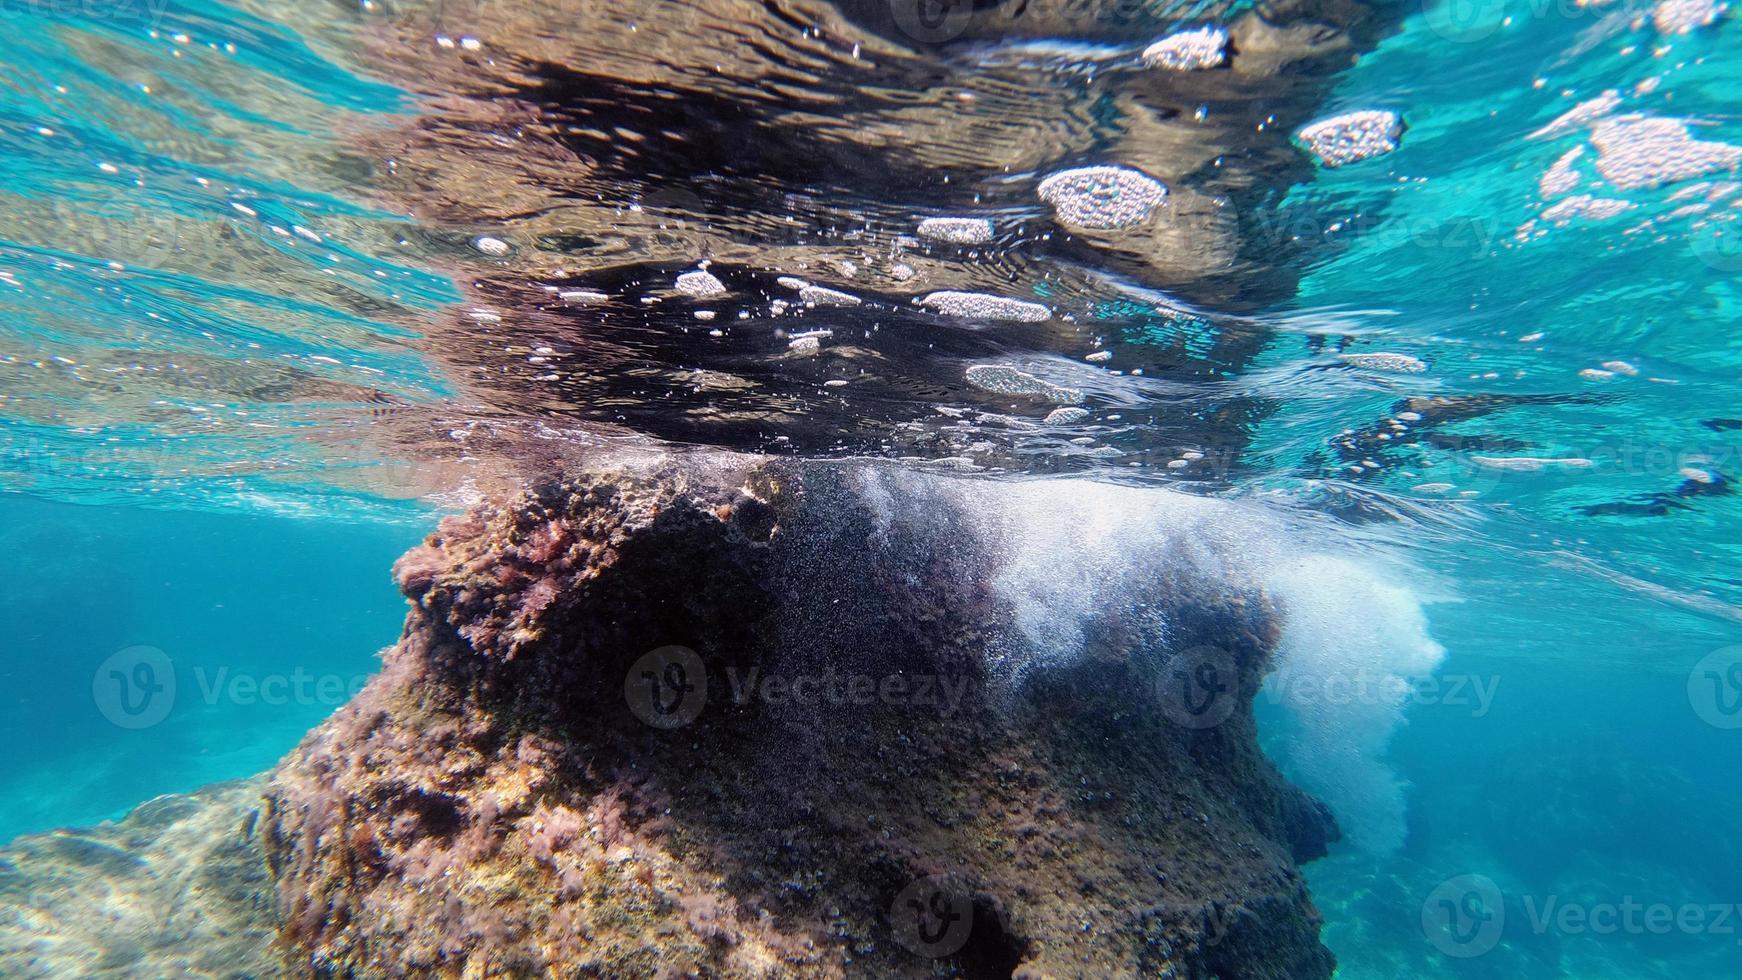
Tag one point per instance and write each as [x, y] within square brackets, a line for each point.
[1386, 361]
[1647, 151]
[1070, 545]
[1686, 16]
[824, 296]
[1070, 552]
[1005, 380]
[1347, 629]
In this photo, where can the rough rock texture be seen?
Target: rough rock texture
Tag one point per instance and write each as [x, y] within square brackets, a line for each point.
[179, 888]
[497, 802]
[708, 715]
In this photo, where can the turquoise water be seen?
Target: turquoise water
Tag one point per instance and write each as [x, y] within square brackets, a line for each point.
[296, 606]
[213, 323]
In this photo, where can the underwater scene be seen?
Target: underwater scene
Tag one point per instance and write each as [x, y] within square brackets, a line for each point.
[862, 488]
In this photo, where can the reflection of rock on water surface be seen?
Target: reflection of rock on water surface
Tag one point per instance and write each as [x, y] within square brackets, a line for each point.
[812, 139]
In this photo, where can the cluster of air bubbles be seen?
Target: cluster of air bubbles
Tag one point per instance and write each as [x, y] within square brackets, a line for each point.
[984, 306]
[700, 283]
[1386, 361]
[1353, 136]
[1685, 16]
[1101, 197]
[1642, 151]
[824, 296]
[957, 231]
[1196, 50]
[1585, 206]
[582, 297]
[1002, 379]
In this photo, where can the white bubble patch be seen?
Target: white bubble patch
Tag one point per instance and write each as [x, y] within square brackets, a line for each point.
[985, 306]
[1074, 555]
[957, 231]
[1100, 198]
[1354, 646]
[700, 283]
[1196, 50]
[1353, 137]
[1686, 16]
[1645, 151]
[1386, 361]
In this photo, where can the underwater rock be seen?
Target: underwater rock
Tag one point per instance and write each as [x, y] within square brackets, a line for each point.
[179, 887]
[639, 724]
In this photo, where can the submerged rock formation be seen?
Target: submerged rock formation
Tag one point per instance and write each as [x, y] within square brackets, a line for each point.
[179, 888]
[711, 715]
[734, 718]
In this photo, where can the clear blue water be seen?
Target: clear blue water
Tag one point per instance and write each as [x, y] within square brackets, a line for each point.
[209, 312]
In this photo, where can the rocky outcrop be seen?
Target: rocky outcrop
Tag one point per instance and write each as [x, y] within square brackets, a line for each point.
[711, 715]
[724, 717]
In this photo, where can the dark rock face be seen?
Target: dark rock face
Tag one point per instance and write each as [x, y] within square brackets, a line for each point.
[717, 716]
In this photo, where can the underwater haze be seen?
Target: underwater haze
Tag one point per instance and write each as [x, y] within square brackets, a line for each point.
[1412, 325]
